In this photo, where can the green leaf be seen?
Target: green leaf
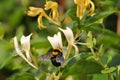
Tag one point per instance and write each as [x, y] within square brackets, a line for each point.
[107, 37]
[66, 14]
[72, 14]
[97, 17]
[109, 59]
[100, 77]
[22, 76]
[94, 41]
[1, 32]
[82, 66]
[100, 51]
[16, 17]
[108, 70]
[5, 57]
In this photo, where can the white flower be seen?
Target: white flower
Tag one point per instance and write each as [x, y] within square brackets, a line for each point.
[25, 42]
[70, 39]
[56, 41]
[68, 34]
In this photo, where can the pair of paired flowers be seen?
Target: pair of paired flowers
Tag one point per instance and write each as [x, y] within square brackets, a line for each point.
[55, 41]
[82, 7]
[53, 15]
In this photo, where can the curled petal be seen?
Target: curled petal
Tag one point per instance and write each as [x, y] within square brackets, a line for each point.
[79, 2]
[92, 8]
[68, 34]
[17, 48]
[51, 5]
[80, 11]
[56, 41]
[87, 2]
[19, 52]
[76, 49]
[55, 15]
[40, 23]
[33, 11]
[82, 5]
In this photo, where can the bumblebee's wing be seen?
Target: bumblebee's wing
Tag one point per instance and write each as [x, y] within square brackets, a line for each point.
[45, 57]
[60, 59]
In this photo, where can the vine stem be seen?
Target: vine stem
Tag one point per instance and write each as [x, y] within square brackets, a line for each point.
[45, 15]
[68, 51]
[118, 73]
[94, 54]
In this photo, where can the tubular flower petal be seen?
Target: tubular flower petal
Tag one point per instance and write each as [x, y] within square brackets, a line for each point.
[56, 41]
[70, 39]
[68, 34]
[33, 11]
[25, 42]
[37, 11]
[92, 8]
[82, 5]
[40, 23]
[53, 6]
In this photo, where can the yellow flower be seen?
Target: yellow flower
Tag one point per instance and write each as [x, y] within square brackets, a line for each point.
[82, 5]
[33, 11]
[53, 6]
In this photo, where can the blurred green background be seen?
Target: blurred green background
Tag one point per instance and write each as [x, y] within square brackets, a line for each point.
[15, 22]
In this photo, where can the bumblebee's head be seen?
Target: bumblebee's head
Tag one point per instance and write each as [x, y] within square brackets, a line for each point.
[56, 51]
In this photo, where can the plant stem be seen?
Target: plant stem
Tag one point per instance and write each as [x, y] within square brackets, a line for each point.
[50, 19]
[109, 76]
[68, 51]
[118, 73]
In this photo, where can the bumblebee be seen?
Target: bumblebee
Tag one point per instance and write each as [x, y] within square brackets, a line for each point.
[56, 57]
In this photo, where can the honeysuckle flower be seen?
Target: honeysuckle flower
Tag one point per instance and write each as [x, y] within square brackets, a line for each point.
[33, 11]
[68, 34]
[53, 6]
[56, 41]
[25, 43]
[70, 39]
[82, 5]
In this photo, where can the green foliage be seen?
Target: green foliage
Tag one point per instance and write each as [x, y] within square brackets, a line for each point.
[1, 32]
[22, 76]
[99, 48]
[82, 66]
